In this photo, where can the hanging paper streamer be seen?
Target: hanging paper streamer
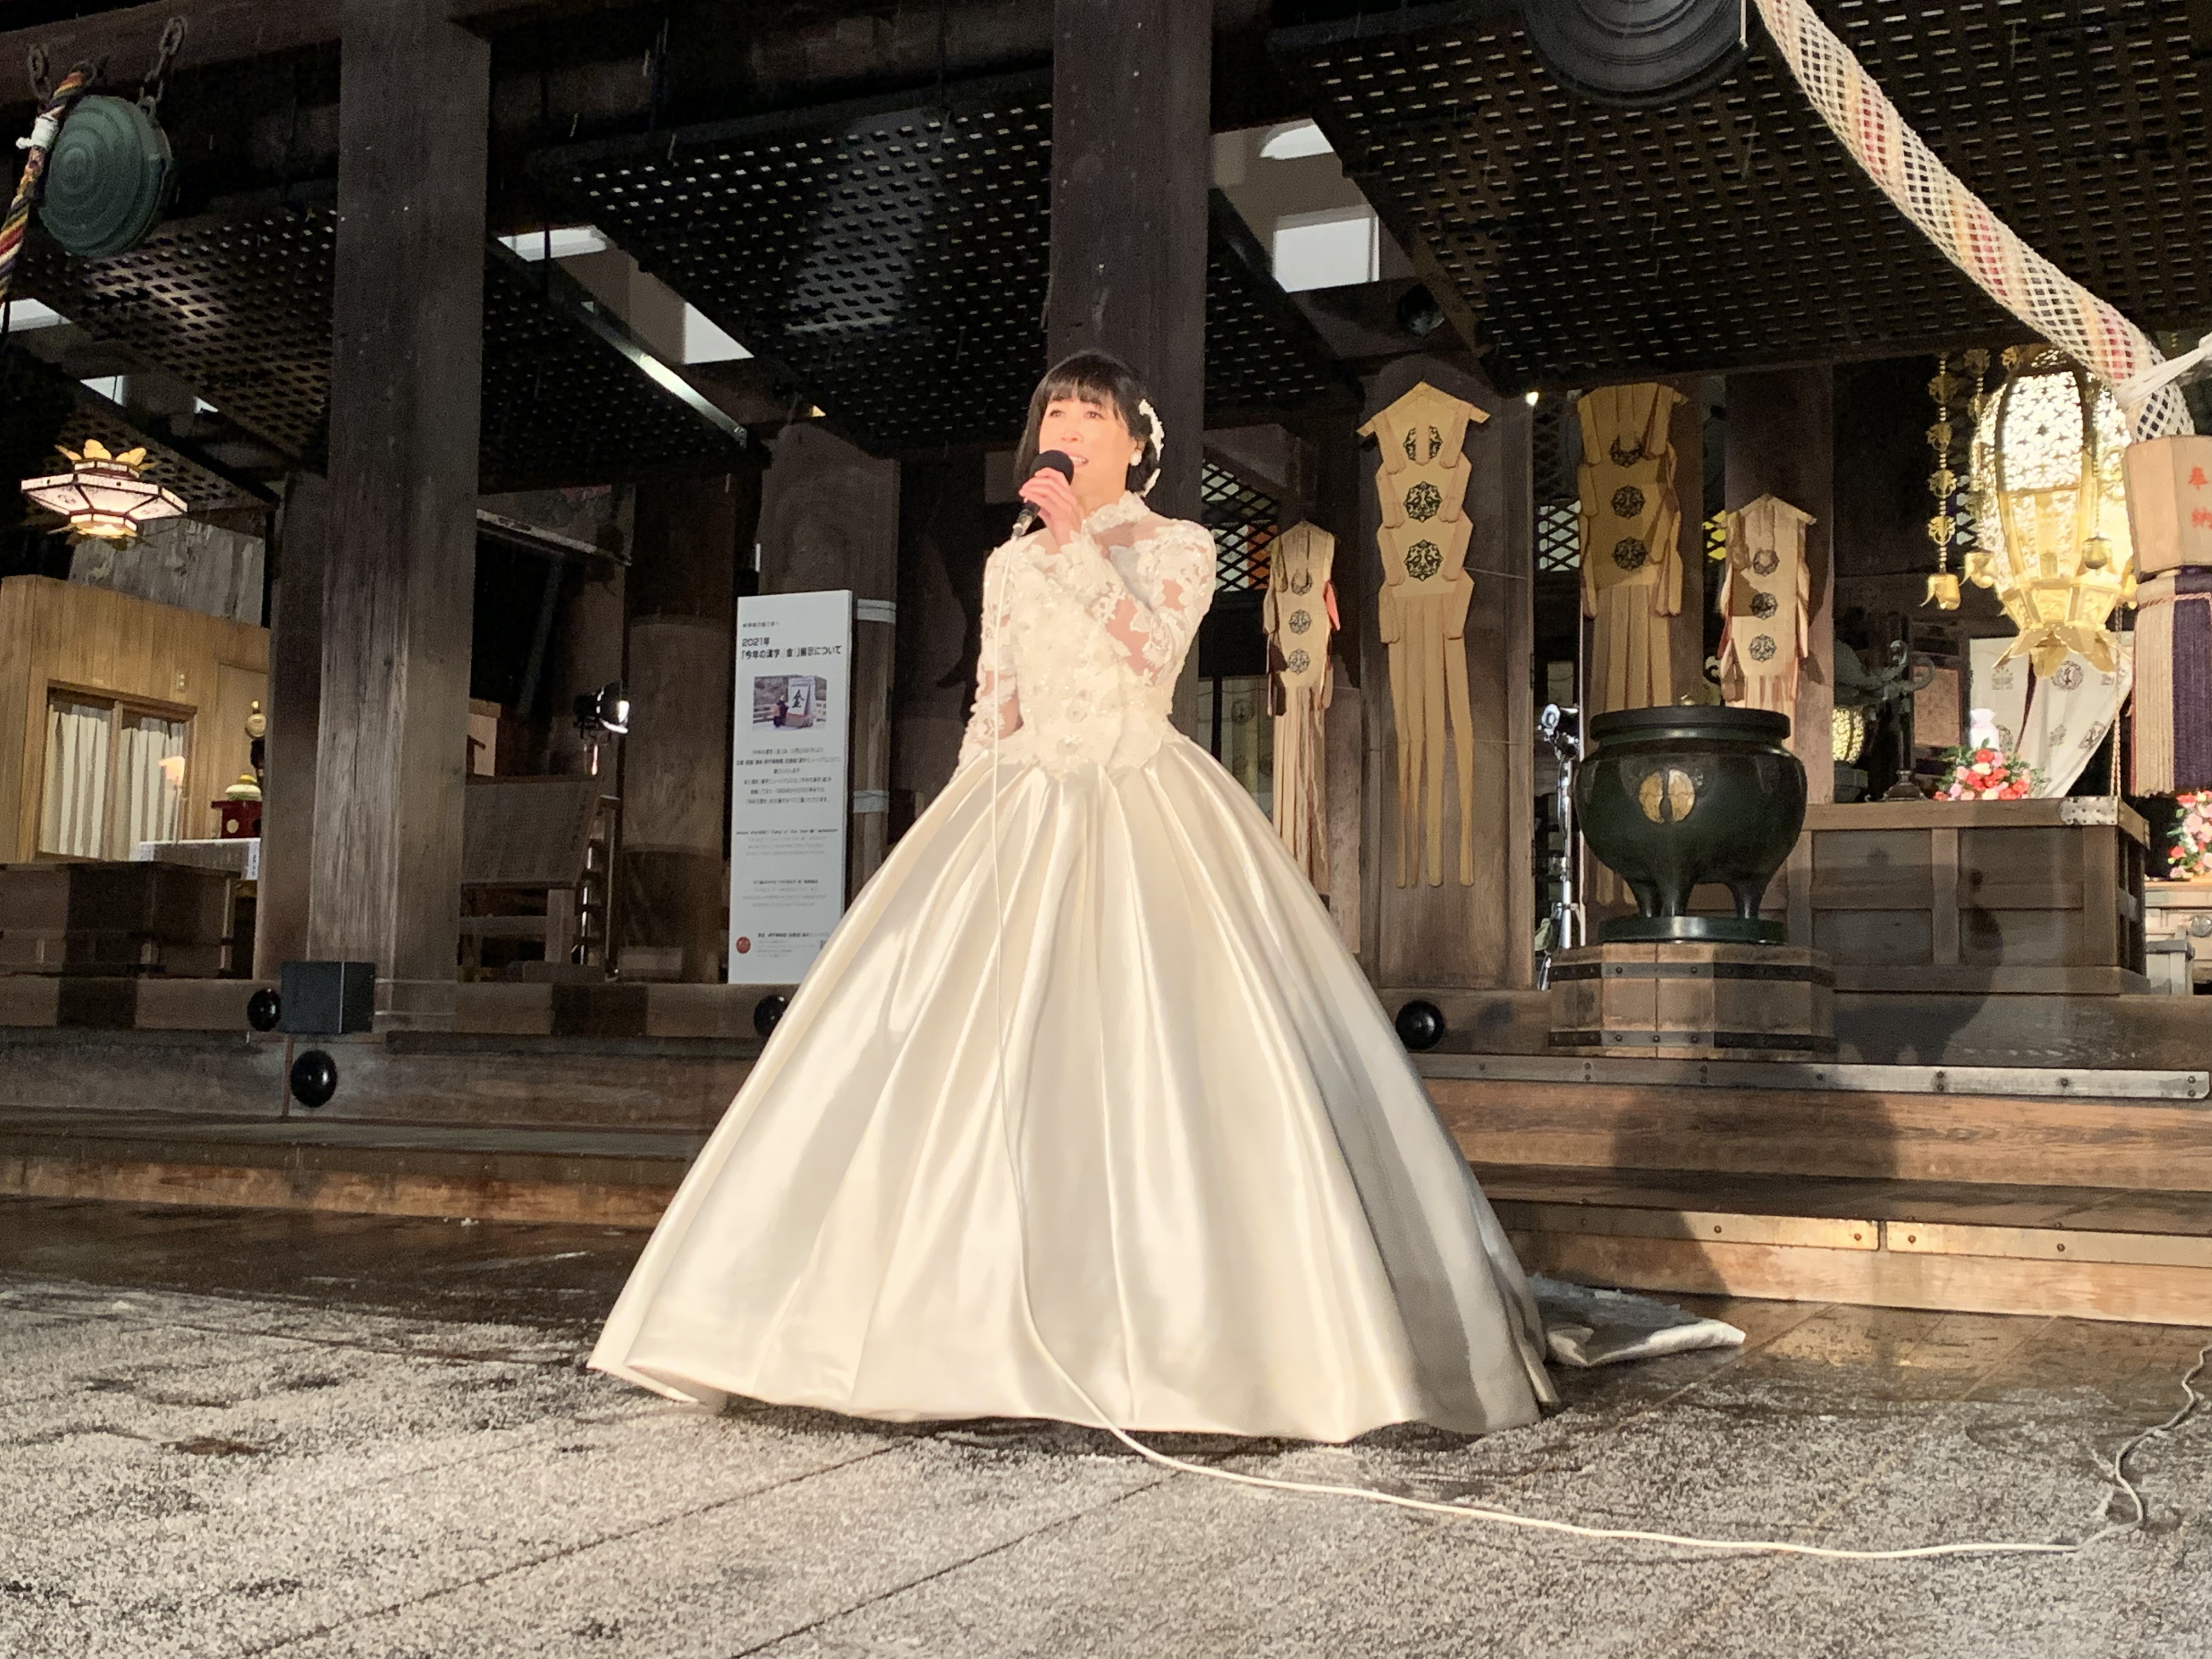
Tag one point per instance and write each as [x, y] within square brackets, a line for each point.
[1765, 597]
[2173, 692]
[1630, 532]
[1300, 617]
[1422, 616]
[1962, 227]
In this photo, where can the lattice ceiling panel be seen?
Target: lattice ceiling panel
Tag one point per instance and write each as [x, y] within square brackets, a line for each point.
[240, 309]
[1592, 245]
[561, 408]
[1261, 353]
[1245, 522]
[893, 261]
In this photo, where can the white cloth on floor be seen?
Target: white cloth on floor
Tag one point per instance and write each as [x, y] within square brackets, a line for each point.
[1085, 1096]
[1584, 1327]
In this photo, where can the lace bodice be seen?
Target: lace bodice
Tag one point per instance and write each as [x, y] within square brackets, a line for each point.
[1082, 645]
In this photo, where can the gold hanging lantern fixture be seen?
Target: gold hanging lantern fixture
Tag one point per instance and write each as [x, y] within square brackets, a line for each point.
[104, 495]
[2051, 508]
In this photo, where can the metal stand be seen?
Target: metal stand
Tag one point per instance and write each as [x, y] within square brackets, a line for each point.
[1564, 926]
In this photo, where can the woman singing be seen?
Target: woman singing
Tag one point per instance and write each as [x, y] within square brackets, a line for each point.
[1084, 1112]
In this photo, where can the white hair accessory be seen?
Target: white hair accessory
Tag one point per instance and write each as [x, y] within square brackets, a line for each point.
[1159, 435]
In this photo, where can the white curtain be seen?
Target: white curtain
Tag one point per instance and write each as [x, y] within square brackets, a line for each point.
[113, 779]
[2002, 690]
[76, 811]
[2070, 714]
[150, 778]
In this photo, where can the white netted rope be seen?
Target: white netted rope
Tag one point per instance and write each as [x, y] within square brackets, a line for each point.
[1970, 236]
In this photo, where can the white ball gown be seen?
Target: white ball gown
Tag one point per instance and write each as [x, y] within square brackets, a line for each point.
[1085, 1108]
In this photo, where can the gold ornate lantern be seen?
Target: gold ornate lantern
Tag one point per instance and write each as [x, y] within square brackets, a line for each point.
[104, 495]
[2050, 508]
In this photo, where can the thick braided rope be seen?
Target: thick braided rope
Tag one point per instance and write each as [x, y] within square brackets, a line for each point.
[43, 133]
[1961, 224]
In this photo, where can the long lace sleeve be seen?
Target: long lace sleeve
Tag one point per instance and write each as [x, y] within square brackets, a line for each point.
[1174, 568]
[997, 712]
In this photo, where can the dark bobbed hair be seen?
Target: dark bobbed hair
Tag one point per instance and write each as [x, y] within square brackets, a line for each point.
[1095, 377]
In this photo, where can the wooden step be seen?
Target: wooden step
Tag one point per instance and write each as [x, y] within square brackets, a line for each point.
[621, 1178]
[2138, 1255]
[1616, 1119]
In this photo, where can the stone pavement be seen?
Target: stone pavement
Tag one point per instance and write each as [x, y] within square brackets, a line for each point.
[236, 1433]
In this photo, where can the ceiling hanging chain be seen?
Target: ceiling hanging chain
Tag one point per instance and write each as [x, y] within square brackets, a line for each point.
[165, 56]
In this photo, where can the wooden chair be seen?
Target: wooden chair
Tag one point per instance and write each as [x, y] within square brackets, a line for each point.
[526, 837]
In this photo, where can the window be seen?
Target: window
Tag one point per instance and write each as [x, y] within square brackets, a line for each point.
[1234, 709]
[115, 776]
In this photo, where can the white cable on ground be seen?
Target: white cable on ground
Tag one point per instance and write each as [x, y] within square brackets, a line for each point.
[1966, 232]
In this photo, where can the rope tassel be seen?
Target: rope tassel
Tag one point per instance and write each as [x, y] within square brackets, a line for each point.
[29, 188]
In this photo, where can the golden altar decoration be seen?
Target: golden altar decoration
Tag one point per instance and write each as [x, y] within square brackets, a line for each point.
[2051, 509]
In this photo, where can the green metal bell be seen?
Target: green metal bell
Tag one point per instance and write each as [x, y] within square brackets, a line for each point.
[108, 179]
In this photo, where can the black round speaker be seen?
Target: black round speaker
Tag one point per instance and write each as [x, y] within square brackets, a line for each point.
[263, 1009]
[1638, 54]
[1420, 1025]
[1419, 313]
[314, 1079]
[767, 1011]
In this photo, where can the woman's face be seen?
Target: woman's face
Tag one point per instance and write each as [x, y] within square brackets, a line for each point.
[1091, 435]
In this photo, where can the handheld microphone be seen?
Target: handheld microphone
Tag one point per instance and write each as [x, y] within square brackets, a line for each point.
[1050, 460]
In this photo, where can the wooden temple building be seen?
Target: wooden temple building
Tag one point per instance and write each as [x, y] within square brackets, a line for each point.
[499, 349]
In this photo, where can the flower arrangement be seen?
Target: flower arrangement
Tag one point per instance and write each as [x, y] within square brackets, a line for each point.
[1985, 772]
[2191, 858]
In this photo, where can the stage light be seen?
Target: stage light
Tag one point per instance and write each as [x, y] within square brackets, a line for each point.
[604, 710]
[104, 496]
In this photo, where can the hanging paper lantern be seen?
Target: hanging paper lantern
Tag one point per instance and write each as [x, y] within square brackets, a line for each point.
[2050, 510]
[104, 495]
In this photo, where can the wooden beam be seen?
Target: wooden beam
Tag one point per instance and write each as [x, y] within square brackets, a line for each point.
[1781, 443]
[1455, 938]
[295, 713]
[407, 352]
[1132, 164]
[123, 42]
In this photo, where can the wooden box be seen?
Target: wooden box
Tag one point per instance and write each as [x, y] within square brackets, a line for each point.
[1687, 1001]
[2181, 910]
[113, 918]
[2036, 896]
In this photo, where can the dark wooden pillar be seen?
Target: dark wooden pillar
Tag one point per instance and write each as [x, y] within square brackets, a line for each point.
[295, 700]
[682, 598]
[407, 336]
[1132, 161]
[1781, 443]
[1480, 938]
[829, 519]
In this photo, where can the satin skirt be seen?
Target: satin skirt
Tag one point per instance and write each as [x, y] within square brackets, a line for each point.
[1084, 1112]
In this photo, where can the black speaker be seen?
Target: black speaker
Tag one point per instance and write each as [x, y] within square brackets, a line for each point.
[314, 1079]
[327, 998]
[1638, 54]
[1420, 1025]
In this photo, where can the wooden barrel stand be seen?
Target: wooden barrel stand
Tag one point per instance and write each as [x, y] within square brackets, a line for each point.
[1694, 1001]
